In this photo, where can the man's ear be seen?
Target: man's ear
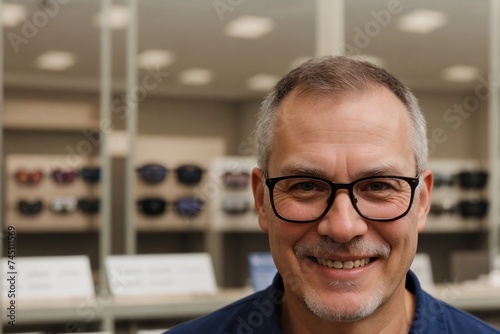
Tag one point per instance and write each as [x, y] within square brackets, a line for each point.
[424, 198]
[258, 197]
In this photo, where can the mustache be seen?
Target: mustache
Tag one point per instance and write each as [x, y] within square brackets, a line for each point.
[356, 246]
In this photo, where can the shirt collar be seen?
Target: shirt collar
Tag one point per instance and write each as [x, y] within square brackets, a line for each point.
[428, 315]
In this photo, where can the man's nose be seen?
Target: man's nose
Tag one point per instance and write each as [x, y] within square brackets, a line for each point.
[342, 222]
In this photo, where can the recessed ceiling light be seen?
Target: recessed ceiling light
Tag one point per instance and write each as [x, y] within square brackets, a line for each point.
[370, 58]
[460, 73]
[55, 61]
[422, 21]
[13, 14]
[119, 17]
[262, 82]
[196, 76]
[154, 58]
[250, 27]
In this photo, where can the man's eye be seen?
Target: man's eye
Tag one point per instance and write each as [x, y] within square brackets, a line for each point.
[377, 186]
[306, 186]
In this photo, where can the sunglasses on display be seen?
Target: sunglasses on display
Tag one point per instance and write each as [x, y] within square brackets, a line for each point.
[62, 176]
[444, 180]
[188, 207]
[89, 205]
[29, 208]
[236, 180]
[64, 205]
[473, 208]
[235, 205]
[438, 209]
[156, 173]
[90, 174]
[24, 177]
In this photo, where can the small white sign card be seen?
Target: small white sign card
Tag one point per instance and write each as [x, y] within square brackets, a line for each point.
[160, 274]
[48, 278]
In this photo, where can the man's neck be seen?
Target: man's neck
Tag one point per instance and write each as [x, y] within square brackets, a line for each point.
[388, 319]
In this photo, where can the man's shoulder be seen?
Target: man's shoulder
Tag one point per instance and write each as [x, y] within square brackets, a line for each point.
[463, 322]
[242, 314]
[441, 317]
[434, 316]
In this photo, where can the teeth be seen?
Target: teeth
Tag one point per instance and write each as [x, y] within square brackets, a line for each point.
[343, 265]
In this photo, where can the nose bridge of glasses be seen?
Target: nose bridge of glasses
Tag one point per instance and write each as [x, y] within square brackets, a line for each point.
[343, 188]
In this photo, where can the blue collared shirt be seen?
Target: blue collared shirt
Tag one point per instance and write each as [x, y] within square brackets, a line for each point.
[258, 314]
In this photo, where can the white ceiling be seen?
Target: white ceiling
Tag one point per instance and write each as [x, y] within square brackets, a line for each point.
[193, 30]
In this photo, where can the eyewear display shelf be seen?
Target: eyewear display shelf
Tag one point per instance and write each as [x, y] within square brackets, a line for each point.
[451, 194]
[58, 192]
[180, 182]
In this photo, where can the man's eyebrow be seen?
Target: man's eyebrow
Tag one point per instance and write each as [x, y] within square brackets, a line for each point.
[385, 169]
[294, 169]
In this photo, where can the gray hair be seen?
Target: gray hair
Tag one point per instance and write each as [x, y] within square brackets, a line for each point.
[334, 77]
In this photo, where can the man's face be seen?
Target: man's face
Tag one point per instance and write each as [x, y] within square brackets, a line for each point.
[362, 135]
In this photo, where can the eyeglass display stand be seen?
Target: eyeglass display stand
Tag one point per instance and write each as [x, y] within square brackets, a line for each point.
[46, 190]
[172, 152]
[448, 196]
[234, 232]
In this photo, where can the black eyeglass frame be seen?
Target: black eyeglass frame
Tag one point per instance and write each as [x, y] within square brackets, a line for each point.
[271, 182]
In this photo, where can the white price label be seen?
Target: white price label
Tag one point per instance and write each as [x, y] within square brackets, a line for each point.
[48, 277]
[162, 274]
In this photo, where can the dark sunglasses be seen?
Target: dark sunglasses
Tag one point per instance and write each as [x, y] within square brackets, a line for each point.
[25, 177]
[235, 180]
[90, 174]
[188, 207]
[152, 206]
[29, 207]
[438, 209]
[156, 173]
[64, 205]
[89, 205]
[63, 176]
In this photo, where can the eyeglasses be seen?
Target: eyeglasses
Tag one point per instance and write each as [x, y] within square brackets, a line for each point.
[29, 207]
[233, 204]
[301, 199]
[25, 177]
[155, 173]
[188, 207]
[63, 176]
[236, 180]
[91, 174]
[89, 205]
[64, 205]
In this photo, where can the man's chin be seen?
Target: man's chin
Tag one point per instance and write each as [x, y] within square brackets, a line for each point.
[343, 311]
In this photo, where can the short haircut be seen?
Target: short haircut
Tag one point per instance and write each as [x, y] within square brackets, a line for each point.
[335, 77]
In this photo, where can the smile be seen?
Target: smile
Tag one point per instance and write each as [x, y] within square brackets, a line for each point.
[342, 264]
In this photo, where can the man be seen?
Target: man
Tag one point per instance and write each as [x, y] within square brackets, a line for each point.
[342, 190]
